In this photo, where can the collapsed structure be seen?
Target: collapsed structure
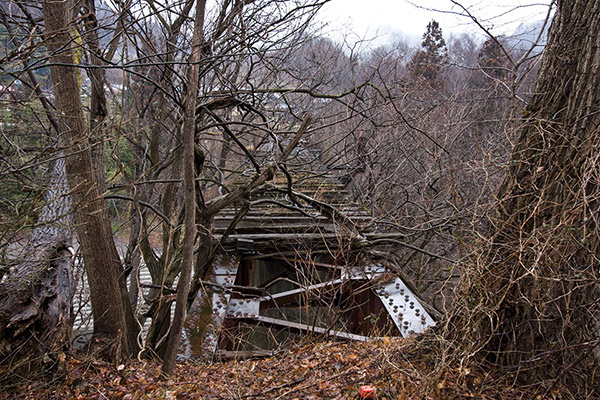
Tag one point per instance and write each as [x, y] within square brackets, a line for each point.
[298, 263]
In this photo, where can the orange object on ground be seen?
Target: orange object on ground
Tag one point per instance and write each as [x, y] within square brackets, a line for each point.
[366, 392]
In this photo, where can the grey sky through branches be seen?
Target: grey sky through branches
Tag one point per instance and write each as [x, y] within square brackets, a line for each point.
[387, 19]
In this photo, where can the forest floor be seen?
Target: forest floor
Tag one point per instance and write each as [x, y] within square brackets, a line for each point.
[328, 370]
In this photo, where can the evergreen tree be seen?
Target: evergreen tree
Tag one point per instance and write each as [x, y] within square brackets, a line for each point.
[492, 61]
[429, 60]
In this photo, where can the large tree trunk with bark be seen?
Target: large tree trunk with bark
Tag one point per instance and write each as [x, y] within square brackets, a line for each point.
[531, 302]
[114, 321]
[36, 297]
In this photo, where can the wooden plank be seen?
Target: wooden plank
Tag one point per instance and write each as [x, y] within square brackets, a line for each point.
[289, 218]
[299, 237]
[291, 237]
[243, 228]
[279, 212]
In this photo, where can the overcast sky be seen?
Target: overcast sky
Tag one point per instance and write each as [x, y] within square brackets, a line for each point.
[386, 18]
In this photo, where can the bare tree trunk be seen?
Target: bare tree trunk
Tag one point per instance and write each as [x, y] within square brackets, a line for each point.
[98, 114]
[36, 298]
[100, 255]
[532, 302]
[164, 268]
[189, 130]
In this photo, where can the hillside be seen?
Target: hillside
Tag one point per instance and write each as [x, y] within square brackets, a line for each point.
[327, 370]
